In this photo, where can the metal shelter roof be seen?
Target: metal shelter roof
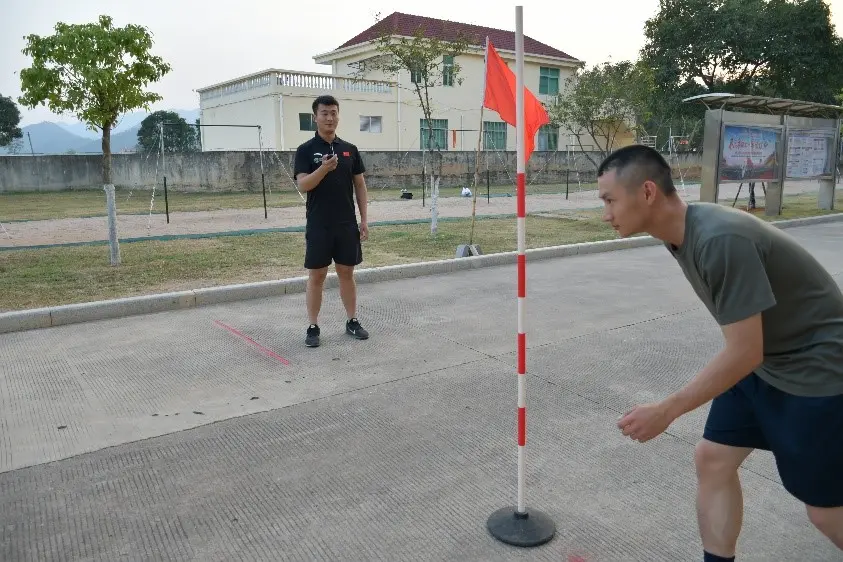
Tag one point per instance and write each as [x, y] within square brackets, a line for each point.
[773, 106]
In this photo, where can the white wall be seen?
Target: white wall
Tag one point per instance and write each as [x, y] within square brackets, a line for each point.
[247, 108]
[277, 104]
[349, 126]
[459, 104]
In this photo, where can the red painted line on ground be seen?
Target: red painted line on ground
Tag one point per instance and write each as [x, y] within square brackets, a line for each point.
[243, 336]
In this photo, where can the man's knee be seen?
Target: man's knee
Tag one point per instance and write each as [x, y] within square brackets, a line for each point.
[317, 276]
[716, 461]
[345, 272]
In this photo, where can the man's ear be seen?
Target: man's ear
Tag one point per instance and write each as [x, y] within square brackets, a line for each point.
[650, 191]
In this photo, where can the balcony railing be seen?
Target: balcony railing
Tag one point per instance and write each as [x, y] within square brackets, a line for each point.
[242, 85]
[324, 82]
[328, 82]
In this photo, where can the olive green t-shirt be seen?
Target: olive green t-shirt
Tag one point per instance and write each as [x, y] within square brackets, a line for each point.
[740, 265]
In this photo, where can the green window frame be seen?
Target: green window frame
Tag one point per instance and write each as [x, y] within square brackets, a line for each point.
[548, 138]
[494, 135]
[440, 134]
[548, 80]
[306, 122]
[447, 70]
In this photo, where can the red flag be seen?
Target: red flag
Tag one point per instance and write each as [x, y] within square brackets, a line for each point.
[500, 97]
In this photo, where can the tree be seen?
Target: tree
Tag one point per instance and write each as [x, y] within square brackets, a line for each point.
[9, 121]
[805, 54]
[179, 135]
[431, 62]
[602, 102]
[97, 72]
[778, 48]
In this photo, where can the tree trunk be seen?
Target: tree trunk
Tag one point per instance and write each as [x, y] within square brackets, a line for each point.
[111, 203]
[434, 198]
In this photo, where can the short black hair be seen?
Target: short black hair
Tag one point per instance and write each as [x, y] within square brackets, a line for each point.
[638, 163]
[325, 100]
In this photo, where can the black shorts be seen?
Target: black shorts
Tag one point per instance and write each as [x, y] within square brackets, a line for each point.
[338, 242]
[804, 434]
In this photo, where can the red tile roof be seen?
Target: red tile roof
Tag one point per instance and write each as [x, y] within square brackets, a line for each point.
[407, 25]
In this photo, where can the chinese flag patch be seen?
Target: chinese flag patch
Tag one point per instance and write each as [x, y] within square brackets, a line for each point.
[346, 154]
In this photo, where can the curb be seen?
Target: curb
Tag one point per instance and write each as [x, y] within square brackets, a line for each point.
[131, 306]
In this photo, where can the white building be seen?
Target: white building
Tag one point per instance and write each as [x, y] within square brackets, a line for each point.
[382, 112]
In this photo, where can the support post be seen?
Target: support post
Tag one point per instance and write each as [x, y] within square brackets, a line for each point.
[516, 525]
[263, 181]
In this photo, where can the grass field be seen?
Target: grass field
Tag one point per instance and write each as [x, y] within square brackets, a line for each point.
[91, 202]
[53, 276]
[35, 278]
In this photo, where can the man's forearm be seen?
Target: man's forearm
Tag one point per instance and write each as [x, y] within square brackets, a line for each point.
[310, 181]
[724, 371]
[362, 203]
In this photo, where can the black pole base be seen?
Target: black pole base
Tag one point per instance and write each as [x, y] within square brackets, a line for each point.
[532, 528]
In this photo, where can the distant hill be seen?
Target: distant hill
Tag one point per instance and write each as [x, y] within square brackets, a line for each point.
[120, 142]
[78, 129]
[48, 138]
[63, 138]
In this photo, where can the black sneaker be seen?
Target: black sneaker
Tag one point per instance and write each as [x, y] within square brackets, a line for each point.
[312, 339]
[353, 328]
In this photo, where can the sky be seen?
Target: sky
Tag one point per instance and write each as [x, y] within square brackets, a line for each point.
[206, 44]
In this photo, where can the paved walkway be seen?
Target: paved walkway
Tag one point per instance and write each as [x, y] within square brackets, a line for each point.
[173, 437]
[63, 231]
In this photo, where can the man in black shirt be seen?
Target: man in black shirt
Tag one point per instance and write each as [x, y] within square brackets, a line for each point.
[330, 171]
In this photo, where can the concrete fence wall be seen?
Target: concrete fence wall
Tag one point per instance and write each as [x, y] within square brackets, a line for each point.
[241, 171]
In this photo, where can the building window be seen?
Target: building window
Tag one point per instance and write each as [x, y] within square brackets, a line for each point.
[440, 134]
[447, 70]
[494, 135]
[416, 76]
[370, 124]
[306, 122]
[548, 138]
[548, 81]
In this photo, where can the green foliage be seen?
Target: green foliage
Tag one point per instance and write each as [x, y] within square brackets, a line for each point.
[179, 135]
[778, 48]
[95, 71]
[604, 100]
[9, 121]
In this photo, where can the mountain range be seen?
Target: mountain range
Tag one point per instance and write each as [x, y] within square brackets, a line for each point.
[50, 137]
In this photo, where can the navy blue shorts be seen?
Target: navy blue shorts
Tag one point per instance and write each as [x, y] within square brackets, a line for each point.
[339, 243]
[804, 434]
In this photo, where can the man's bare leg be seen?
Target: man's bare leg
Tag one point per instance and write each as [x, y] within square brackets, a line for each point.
[719, 496]
[348, 293]
[315, 287]
[829, 521]
[348, 289]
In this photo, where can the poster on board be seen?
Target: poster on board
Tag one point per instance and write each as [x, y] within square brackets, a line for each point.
[749, 153]
[810, 153]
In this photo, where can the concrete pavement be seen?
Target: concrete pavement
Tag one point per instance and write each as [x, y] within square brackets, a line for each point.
[212, 434]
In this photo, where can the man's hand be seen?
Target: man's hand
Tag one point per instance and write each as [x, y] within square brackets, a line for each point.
[330, 162]
[364, 231]
[645, 422]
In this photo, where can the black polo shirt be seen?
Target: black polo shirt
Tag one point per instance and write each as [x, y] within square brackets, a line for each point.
[332, 201]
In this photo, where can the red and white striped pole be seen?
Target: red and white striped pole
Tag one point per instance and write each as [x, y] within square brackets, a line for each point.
[518, 526]
[521, 223]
